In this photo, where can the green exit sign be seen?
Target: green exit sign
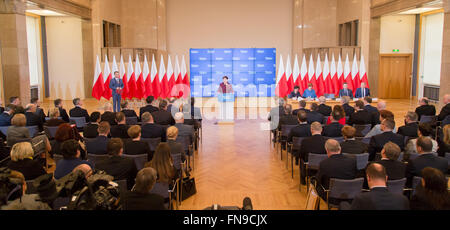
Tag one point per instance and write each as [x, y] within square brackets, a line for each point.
[395, 50]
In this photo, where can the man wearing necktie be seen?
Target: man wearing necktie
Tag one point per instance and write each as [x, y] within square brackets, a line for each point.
[345, 91]
[116, 86]
[362, 92]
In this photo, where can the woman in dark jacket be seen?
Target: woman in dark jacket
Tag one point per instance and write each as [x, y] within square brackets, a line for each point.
[433, 193]
[22, 161]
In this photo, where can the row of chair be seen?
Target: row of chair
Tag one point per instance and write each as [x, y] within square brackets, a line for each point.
[32, 129]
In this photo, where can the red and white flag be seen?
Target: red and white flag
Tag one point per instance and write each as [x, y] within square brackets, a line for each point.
[327, 76]
[114, 67]
[185, 75]
[132, 88]
[170, 77]
[303, 82]
[334, 77]
[107, 92]
[156, 88]
[178, 78]
[348, 74]
[289, 76]
[163, 79]
[340, 73]
[140, 87]
[355, 74]
[147, 78]
[363, 72]
[282, 89]
[98, 87]
[319, 78]
[296, 72]
[123, 75]
[312, 74]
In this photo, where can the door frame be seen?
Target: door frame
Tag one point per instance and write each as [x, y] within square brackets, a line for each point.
[409, 56]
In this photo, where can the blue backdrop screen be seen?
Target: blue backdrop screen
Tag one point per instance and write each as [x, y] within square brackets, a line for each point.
[252, 71]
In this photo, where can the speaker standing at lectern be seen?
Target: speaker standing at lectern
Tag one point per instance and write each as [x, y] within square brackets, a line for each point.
[226, 101]
[116, 86]
[225, 87]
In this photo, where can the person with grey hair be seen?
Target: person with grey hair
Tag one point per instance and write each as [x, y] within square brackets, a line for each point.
[377, 142]
[288, 118]
[141, 197]
[411, 125]
[78, 110]
[183, 130]
[381, 105]
[313, 144]
[324, 109]
[395, 169]
[349, 110]
[32, 118]
[150, 129]
[445, 111]
[109, 115]
[425, 109]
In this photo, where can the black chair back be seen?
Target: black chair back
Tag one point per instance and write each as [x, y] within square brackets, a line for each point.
[140, 160]
[286, 129]
[152, 142]
[4, 129]
[132, 120]
[50, 131]
[80, 122]
[396, 186]
[362, 130]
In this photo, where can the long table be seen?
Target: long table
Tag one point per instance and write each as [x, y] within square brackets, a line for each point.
[296, 104]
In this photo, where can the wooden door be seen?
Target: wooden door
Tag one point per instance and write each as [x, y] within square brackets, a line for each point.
[394, 79]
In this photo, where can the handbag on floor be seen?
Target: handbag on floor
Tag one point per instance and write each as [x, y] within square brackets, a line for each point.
[188, 188]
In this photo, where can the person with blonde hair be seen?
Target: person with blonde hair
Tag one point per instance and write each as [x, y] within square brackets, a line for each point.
[109, 115]
[17, 132]
[55, 119]
[176, 149]
[22, 160]
[163, 164]
[444, 144]
[136, 146]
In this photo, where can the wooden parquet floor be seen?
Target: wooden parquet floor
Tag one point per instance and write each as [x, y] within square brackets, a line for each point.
[235, 161]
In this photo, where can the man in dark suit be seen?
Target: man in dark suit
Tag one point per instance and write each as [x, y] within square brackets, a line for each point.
[91, 129]
[39, 111]
[62, 112]
[374, 113]
[361, 116]
[314, 115]
[78, 111]
[445, 111]
[128, 112]
[163, 117]
[345, 91]
[395, 169]
[184, 130]
[274, 116]
[362, 92]
[411, 125]
[121, 129]
[5, 117]
[303, 129]
[334, 129]
[121, 168]
[109, 115]
[314, 144]
[379, 198]
[335, 166]
[32, 118]
[350, 144]
[116, 86]
[425, 109]
[324, 109]
[98, 146]
[150, 129]
[288, 118]
[18, 105]
[302, 107]
[347, 108]
[377, 142]
[149, 107]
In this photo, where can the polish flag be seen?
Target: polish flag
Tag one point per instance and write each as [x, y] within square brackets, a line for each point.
[340, 73]
[312, 74]
[363, 73]
[140, 87]
[171, 78]
[290, 78]
[186, 83]
[163, 79]
[303, 82]
[327, 77]
[334, 77]
[98, 87]
[319, 78]
[156, 87]
[132, 88]
[296, 73]
[123, 74]
[178, 79]
[107, 93]
[355, 74]
[147, 78]
[282, 89]
[348, 74]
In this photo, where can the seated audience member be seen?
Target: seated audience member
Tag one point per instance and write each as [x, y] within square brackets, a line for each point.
[395, 169]
[62, 112]
[334, 128]
[71, 151]
[302, 107]
[309, 92]
[85, 169]
[381, 105]
[162, 162]
[338, 112]
[121, 129]
[32, 118]
[425, 159]
[149, 107]
[63, 133]
[314, 115]
[377, 142]
[445, 111]
[362, 91]
[39, 111]
[15, 193]
[347, 108]
[379, 198]
[324, 109]
[128, 112]
[55, 120]
[17, 132]
[287, 118]
[444, 145]
[175, 147]
[163, 117]
[98, 146]
[5, 117]
[192, 114]
[136, 146]
[17, 104]
[335, 166]
[374, 112]
[2, 109]
[350, 144]
[425, 130]
[303, 129]
[411, 125]
[425, 109]
[78, 110]
[295, 94]
[22, 160]
[384, 114]
[314, 144]
[108, 114]
[345, 92]
[361, 116]
[91, 129]
[150, 129]
[274, 116]
[141, 198]
[121, 168]
[183, 130]
[433, 192]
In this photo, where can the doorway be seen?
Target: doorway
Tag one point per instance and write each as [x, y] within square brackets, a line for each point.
[395, 76]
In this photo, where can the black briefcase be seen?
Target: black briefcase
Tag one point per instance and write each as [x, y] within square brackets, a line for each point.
[188, 188]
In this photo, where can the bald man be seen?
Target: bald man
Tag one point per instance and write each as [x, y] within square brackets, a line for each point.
[446, 109]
